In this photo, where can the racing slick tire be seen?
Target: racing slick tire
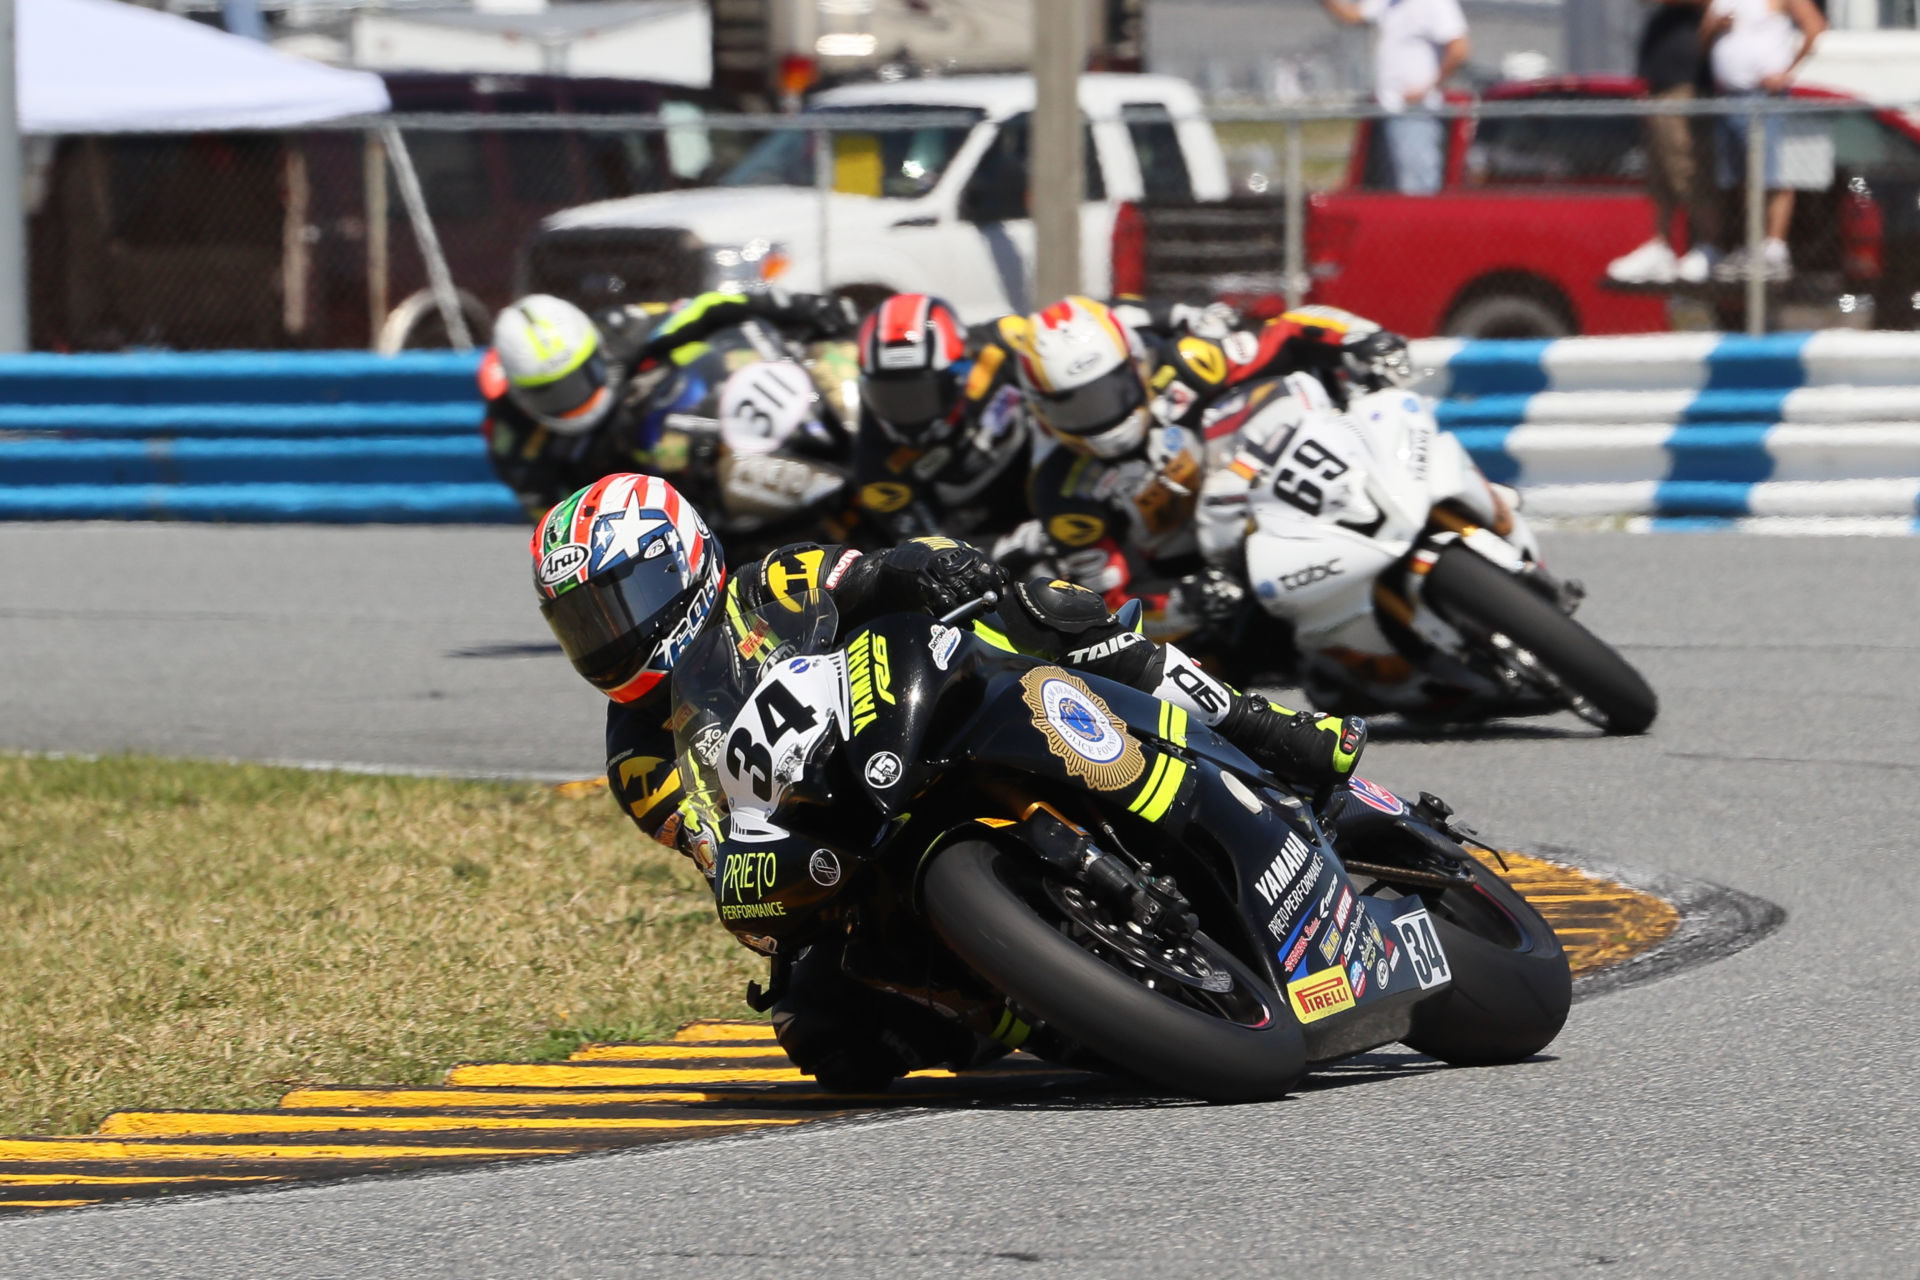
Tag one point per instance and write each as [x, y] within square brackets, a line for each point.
[1512, 986]
[1465, 584]
[982, 901]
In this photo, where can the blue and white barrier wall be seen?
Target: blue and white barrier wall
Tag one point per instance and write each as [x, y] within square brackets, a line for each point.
[1691, 426]
[1674, 426]
[246, 436]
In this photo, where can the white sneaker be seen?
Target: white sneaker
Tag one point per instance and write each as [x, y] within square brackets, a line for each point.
[1776, 259]
[1775, 262]
[1697, 264]
[1652, 263]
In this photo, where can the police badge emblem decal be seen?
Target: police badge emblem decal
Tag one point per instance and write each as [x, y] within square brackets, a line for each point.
[1088, 738]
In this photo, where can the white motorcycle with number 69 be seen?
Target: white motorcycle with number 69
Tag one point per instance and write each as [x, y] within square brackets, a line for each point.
[1412, 583]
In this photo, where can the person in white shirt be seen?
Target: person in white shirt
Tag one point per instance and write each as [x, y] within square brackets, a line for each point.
[1418, 45]
[1755, 45]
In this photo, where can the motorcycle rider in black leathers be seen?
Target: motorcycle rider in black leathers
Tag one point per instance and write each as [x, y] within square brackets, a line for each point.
[946, 442]
[570, 397]
[628, 574]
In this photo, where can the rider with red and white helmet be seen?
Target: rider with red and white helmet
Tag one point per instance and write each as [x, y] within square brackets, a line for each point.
[943, 431]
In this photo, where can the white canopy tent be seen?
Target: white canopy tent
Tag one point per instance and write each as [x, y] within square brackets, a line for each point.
[103, 67]
[100, 66]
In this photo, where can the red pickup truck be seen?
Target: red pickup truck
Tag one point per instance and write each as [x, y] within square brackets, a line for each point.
[1517, 242]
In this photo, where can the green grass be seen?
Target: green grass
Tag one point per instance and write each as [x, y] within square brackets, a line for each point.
[176, 934]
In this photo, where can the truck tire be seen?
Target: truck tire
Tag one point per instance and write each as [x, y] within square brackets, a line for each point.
[1507, 315]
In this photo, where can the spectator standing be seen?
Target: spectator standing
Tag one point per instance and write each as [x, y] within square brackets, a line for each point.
[1674, 65]
[1755, 46]
[1418, 44]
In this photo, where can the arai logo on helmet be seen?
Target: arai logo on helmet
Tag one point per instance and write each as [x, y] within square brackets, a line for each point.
[563, 562]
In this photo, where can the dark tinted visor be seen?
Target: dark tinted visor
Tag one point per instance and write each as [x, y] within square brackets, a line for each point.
[1094, 407]
[909, 405]
[565, 395]
[609, 626]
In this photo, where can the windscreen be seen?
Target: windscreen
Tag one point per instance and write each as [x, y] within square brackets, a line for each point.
[897, 164]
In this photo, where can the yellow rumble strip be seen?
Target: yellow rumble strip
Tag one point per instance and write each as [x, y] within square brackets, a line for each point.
[712, 1078]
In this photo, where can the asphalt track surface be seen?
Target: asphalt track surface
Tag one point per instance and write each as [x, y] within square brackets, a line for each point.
[1749, 1116]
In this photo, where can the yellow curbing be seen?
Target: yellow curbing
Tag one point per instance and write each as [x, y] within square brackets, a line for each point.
[549, 1074]
[716, 1032]
[1599, 922]
[208, 1123]
[707, 1080]
[678, 1049]
[90, 1149]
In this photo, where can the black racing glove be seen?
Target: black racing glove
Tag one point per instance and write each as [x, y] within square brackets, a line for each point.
[825, 315]
[1209, 598]
[940, 574]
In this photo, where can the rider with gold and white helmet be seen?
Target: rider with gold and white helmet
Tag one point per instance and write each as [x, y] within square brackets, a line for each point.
[1133, 415]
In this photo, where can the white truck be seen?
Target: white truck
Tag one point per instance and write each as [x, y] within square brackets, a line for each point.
[940, 208]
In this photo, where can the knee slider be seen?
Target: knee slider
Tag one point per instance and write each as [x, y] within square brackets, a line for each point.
[1061, 605]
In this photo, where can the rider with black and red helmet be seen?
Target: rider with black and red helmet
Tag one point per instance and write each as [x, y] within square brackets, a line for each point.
[628, 574]
[943, 436]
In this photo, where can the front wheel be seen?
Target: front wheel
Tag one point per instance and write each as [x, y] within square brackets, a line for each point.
[1190, 1018]
[1512, 986]
[1597, 683]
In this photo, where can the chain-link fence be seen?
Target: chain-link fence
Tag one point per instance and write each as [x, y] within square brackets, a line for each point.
[1520, 214]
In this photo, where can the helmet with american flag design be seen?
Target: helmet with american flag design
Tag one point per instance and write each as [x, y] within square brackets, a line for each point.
[628, 574]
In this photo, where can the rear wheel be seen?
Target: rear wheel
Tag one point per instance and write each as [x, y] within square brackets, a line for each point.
[1187, 1016]
[1511, 984]
[1596, 683]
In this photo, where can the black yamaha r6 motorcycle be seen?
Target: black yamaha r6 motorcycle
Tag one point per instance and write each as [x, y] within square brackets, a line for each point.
[1037, 858]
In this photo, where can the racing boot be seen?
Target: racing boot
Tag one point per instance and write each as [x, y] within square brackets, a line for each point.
[1301, 747]
[824, 1023]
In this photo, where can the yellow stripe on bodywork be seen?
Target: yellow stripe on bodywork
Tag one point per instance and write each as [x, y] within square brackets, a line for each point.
[1163, 784]
[1173, 724]
[992, 637]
